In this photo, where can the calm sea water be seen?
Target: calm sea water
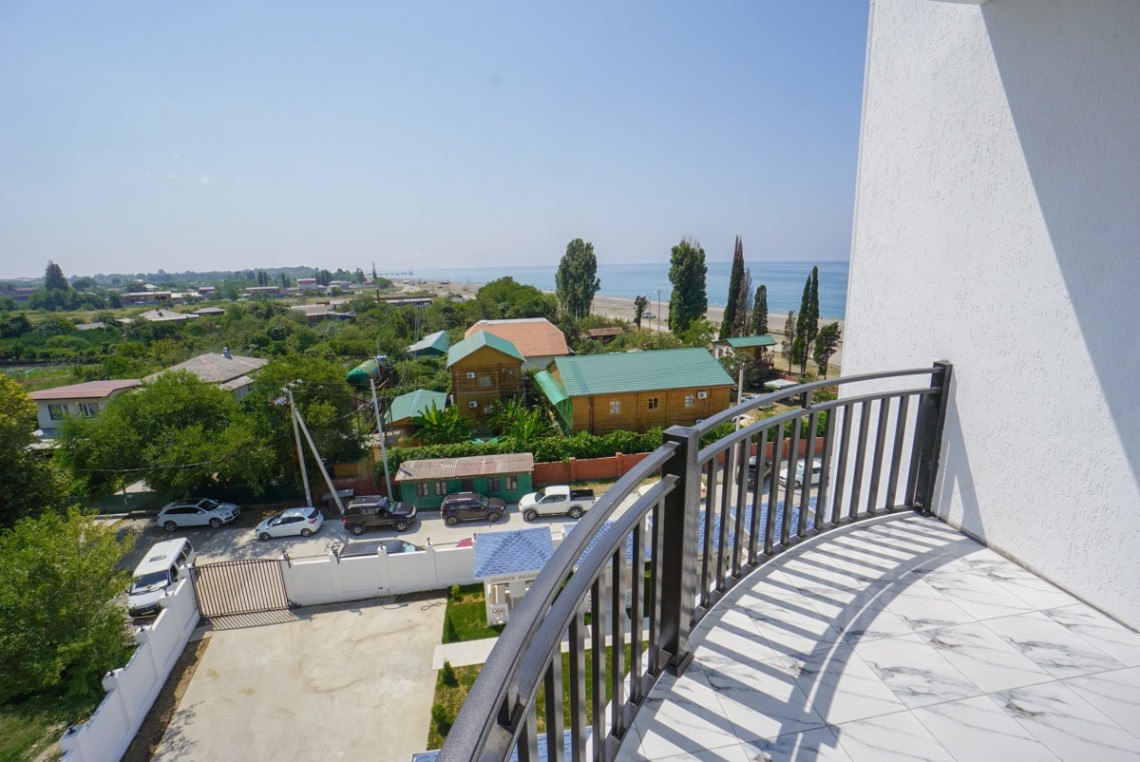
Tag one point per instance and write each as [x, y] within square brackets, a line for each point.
[785, 282]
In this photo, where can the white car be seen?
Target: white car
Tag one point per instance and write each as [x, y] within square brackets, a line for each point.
[196, 512]
[291, 521]
[816, 473]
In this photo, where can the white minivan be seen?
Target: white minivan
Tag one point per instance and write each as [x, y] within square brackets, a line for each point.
[162, 566]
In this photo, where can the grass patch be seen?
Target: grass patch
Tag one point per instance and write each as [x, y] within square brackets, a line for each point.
[30, 728]
[449, 698]
[466, 616]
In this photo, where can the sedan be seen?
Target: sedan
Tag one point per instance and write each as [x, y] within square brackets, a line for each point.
[291, 521]
[197, 512]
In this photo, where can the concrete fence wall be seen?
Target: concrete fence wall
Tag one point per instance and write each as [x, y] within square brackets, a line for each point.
[326, 579]
[131, 691]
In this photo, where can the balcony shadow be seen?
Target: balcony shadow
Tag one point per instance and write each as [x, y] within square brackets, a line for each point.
[771, 684]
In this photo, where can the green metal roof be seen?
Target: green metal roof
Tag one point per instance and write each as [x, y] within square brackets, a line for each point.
[746, 342]
[435, 344]
[415, 403]
[478, 341]
[640, 371]
[550, 387]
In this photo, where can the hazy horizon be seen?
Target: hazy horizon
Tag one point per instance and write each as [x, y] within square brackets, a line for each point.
[221, 137]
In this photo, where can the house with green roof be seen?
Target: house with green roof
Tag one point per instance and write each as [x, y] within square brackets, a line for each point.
[754, 345]
[433, 345]
[484, 369]
[636, 391]
[402, 410]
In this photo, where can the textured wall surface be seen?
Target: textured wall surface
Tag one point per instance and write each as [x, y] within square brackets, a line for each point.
[997, 225]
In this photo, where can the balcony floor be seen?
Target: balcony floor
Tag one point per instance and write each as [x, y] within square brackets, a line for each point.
[898, 639]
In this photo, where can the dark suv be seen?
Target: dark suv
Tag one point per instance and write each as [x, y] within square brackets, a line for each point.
[471, 506]
[369, 511]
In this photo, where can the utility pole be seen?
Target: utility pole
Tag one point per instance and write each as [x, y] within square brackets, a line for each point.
[320, 464]
[383, 447]
[300, 450]
[659, 310]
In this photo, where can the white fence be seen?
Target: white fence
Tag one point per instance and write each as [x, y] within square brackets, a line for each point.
[327, 579]
[131, 691]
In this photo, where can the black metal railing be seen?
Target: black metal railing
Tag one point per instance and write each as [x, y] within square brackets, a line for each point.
[644, 569]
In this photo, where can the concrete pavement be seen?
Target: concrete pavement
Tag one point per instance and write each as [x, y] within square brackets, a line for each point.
[336, 682]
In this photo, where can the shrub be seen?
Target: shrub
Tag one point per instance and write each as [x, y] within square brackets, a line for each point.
[454, 592]
[441, 718]
[448, 675]
[450, 634]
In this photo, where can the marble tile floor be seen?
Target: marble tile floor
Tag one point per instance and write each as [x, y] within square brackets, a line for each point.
[898, 639]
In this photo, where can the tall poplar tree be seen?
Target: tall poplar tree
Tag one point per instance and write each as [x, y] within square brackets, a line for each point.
[743, 306]
[687, 272]
[760, 312]
[789, 341]
[799, 346]
[732, 306]
[576, 280]
[811, 321]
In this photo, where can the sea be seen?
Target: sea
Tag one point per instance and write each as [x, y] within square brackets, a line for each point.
[784, 280]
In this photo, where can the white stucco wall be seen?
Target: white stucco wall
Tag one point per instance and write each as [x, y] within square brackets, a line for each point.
[997, 225]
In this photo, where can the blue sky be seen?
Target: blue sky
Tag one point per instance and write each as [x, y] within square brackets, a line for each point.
[139, 136]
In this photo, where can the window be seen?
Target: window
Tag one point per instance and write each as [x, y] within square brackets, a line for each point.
[652, 403]
[88, 409]
[473, 404]
[512, 483]
[471, 374]
[493, 484]
[484, 382]
[488, 409]
[422, 489]
[615, 407]
[57, 412]
[440, 488]
[702, 395]
[690, 400]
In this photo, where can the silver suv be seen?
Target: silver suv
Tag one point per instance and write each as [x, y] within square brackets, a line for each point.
[197, 512]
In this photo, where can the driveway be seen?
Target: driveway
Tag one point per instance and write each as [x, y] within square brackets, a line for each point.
[334, 682]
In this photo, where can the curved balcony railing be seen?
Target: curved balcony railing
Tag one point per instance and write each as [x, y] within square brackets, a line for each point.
[644, 569]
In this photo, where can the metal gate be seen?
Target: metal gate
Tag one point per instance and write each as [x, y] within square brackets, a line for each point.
[239, 587]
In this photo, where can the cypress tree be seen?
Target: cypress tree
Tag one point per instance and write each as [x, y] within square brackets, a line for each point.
[799, 345]
[743, 306]
[811, 321]
[789, 341]
[733, 305]
[760, 312]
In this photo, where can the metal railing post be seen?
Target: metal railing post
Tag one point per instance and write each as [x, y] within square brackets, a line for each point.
[928, 438]
[678, 561]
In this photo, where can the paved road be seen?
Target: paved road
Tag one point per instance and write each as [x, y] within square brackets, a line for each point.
[327, 683]
[239, 542]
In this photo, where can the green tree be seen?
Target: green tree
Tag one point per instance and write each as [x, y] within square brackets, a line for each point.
[689, 300]
[326, 404]
[788, 342]
[743, 305]
[826, 343]
[522, 425]
[179, 433]
[760, 313]
[640, 304]
[734, 280]
[800, 344]
[54, 279]
[31, 484]
[576, 280]
[445, 426]
[60, 628]
[505, 298]
[811, 320]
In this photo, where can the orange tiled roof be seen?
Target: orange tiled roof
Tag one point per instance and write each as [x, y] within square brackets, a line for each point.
[534, 337]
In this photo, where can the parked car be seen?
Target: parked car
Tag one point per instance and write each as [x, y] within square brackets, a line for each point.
[471, 506]
[358, 548]
[372, 511]
[557, 500]
[197, 512]
[291, 521]
[162, 566]
[752, 470]
[816, 474]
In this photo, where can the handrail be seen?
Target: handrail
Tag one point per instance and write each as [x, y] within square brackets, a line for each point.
[869, 443]
[505, 659]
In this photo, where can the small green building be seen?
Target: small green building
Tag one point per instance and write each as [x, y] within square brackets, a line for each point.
[424, 483]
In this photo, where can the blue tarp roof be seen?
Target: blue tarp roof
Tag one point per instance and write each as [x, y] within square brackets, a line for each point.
[517, 551]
